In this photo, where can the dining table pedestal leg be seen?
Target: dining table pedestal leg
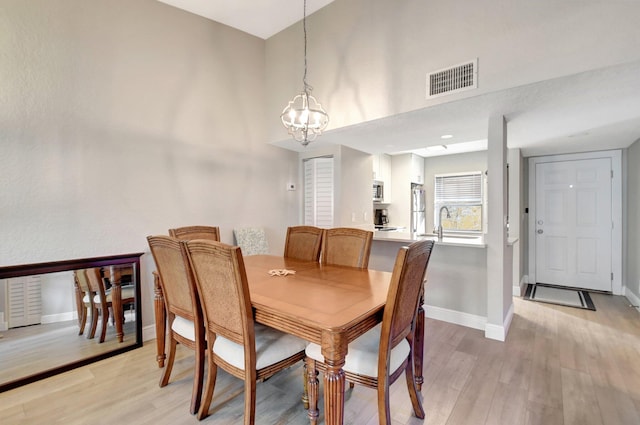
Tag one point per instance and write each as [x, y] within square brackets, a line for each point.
[334, 395]
[334, 379]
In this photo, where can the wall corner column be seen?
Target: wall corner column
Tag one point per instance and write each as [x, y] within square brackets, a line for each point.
[499, 255]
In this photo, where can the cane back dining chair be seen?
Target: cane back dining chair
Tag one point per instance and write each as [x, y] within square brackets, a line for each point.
[346, 246]
[303, 243]
[84, 301]
[196, 232]
[244, 349]
[102, 300]
[184, 314]
[378, 357]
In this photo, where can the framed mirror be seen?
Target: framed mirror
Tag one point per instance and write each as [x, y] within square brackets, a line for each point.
[42, 306]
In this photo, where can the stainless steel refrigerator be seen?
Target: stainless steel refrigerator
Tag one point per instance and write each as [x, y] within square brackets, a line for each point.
[418, 215]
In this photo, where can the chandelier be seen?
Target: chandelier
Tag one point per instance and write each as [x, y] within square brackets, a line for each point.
[304, 117]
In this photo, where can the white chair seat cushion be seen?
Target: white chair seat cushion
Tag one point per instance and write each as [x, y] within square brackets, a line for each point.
[272, 346]
[126, 292]
[184, 327]
[362, 356]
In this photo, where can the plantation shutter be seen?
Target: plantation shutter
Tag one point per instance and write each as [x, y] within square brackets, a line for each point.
[24, 301]
[318, 192]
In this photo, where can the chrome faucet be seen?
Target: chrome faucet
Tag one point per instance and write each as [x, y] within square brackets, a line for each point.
[439, 231]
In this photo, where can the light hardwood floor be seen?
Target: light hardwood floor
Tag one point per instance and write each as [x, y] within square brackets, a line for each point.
[21, 348]
[559, 365]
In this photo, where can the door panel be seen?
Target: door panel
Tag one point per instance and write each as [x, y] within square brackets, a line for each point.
[587, 252]
[573, 223]
[555, 253]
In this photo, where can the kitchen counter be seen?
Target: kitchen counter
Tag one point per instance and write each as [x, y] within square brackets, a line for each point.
[408, 237]
[456, 289]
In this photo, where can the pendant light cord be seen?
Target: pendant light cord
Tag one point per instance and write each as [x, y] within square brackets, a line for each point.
[307, 87]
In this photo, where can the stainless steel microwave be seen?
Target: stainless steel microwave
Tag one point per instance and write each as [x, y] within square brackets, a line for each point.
[378, 191]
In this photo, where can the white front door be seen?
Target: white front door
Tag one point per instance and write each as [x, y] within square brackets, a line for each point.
[573, 223]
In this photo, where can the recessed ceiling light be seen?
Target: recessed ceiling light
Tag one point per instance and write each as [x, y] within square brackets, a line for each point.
[436, 148]
[447, 136]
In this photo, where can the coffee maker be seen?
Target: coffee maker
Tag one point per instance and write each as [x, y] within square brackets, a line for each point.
[381, 217]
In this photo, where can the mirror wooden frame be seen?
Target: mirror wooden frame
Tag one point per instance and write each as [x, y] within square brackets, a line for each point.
[68, 265]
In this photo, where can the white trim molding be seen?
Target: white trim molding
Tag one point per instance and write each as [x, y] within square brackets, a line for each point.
[456, 317]
[149, 332]
[633, 298]
[59, 317]
[499, 333]
[519, 290]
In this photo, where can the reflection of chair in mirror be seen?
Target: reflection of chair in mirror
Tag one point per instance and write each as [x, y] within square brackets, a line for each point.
[103, 300]
[185, 320]
[345, 246]
[84, 301]
[245, 349]
[303, 243]
[377, 358]
[252, 241]
[196, 232]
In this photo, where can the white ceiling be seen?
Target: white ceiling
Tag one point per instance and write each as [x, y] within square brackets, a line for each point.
[594, 110]
[262, 18]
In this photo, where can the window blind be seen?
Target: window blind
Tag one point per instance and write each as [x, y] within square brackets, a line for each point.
[459, 188]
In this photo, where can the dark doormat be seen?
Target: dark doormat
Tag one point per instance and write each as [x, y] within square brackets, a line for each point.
[559, 295]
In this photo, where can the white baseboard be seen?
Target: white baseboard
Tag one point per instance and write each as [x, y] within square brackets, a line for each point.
[149, 332]
[438, 313]
[455, 317]
[633, 298]
[519, 290]
[497, 332]
[59, 317]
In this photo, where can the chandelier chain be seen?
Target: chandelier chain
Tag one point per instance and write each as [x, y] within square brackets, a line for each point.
[304, 29]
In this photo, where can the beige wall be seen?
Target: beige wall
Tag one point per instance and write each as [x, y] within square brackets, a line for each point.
[352, 185]
[369, 59]
[120, 119]
[459, 163]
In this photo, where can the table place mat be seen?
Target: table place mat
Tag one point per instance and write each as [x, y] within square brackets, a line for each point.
[281, 272]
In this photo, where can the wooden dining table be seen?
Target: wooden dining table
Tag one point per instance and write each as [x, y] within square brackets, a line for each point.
[328, 305]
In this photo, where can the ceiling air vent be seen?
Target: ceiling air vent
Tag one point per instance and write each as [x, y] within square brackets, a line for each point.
[454, 79]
